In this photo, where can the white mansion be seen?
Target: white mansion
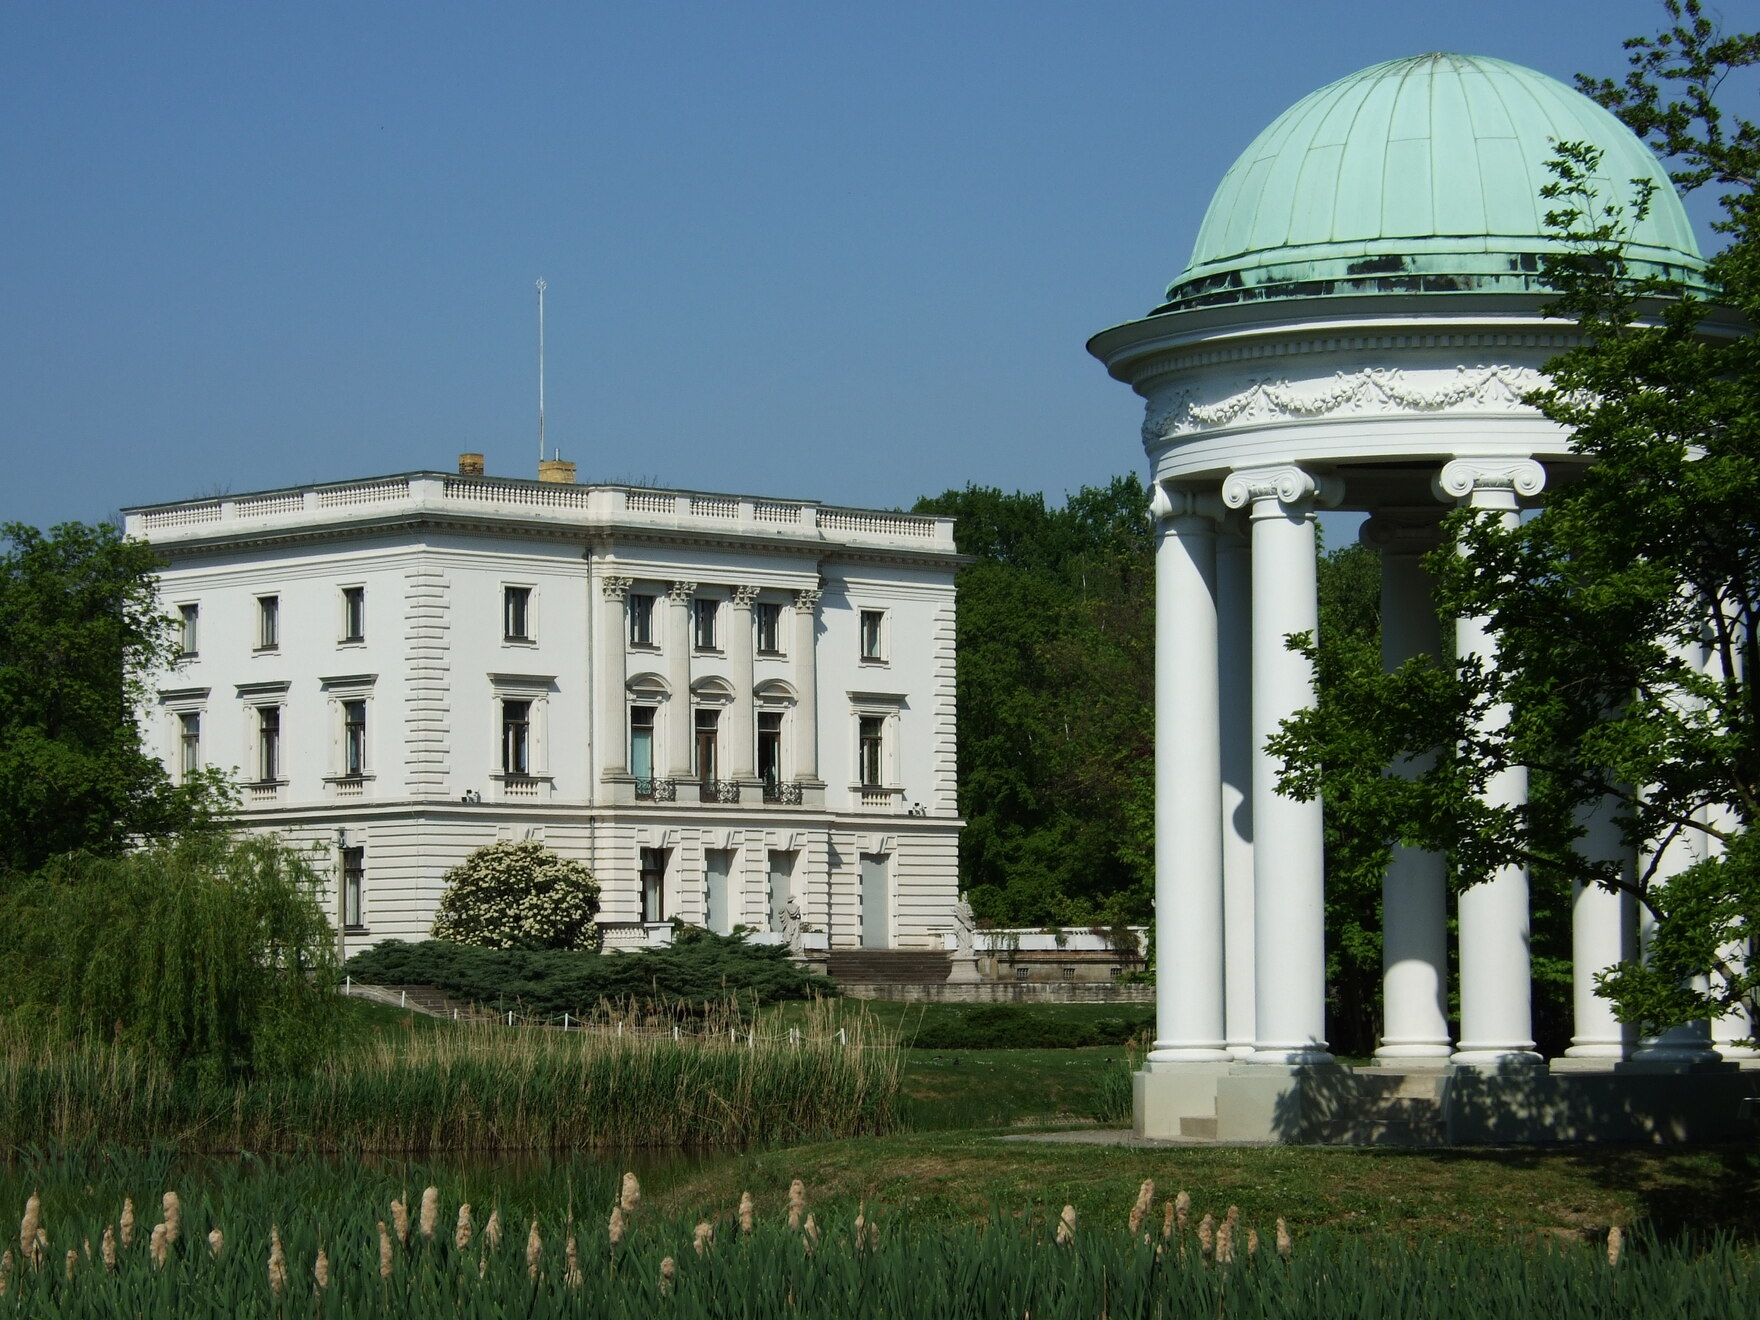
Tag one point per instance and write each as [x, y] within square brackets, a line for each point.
[718, 703]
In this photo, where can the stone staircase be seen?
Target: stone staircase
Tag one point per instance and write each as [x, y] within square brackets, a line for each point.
[888, 966]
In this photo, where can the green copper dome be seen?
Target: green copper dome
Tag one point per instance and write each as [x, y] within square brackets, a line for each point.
[1418, 175]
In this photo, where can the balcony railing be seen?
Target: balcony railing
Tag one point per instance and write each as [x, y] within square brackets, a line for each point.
[656, 790]
[878, 798]
[265, 790]
[718, 790]
[787, 795]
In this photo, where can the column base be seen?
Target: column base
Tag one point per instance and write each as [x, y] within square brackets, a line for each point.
[1599, 1049]
[1494, 1056]
[1169, 1053]
[1290, 1056]
[1409, 1053]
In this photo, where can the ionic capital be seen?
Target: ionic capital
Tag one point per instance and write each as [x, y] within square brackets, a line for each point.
[1489, 481]
[1173, 502]
[681, 591]
[743, 597]
[616, 588]
[1292, 488]
[1402, 531]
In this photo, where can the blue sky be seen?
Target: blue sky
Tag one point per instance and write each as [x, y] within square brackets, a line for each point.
[818, 249]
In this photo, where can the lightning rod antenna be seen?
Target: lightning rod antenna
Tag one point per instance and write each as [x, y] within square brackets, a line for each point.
[541, 287]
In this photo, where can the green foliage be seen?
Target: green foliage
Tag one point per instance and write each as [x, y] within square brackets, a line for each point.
[80, 635]
[209, 956]
[1626, 616]
[699, 968]
[1022, 1026]
[519, 896]
[1056, 688]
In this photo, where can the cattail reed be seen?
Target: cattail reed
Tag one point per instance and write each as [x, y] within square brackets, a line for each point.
[1182, 1210]
[88, 1246]
[630, 1195]
[668, 1268]
[27, 1227]
[534, 1249]
[1207, 1235]
[159, 1246]
[617, 1226]
[1167, 1222]
[812, 1235]
[1066, 1226]
[1616, 1239]
[1284, 1242]
[127, 1223]
[400, 1218]
[384, 1251]
[573, 1277]
[72, 1260]
[107, 1246]
[277, 1262]
[321, 1270]
[797, 1204]
[216, 1241]
[747, 1216]
[461, 1236]
[1145, 1201]
[1225, 1243]
[704, 1237]
[1252, 1242]
[430, 1211]
[172, 1209]
[492, 1230]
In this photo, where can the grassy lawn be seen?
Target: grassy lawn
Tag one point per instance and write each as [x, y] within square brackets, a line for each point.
[946, 1089]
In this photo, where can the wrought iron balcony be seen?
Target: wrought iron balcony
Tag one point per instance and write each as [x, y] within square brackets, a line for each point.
[787, 795]
[718, 790]
[656, 790]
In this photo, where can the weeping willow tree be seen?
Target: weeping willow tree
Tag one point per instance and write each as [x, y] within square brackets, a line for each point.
[209, 953]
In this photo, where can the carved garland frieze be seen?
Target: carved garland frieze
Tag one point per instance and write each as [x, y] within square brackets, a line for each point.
[1376, 391]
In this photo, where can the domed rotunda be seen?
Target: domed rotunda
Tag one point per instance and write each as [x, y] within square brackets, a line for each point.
[1357, 327]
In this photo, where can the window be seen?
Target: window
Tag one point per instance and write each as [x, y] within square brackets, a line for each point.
[769, 620]
[354, 879]
[770, 747]
[516, 737]
[641, 620]
[871, 750]
[641, 745]
[516, 614]
[354, 737]
[354, 614]
[1022, 973]
[188, 619]
[1069, 973]
[268, 744]
[189, 744]
[653, 885]
[708, 722]
[873, 638]
[703, 613]
[268, 623]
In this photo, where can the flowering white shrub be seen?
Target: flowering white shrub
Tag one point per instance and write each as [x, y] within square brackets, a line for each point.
[519, 896]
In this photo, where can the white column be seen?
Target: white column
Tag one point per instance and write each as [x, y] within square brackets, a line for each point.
[1288, 862]
[806, 683]
[1414, 890]
[1234, 638]
[1497, 1019]
[1188, 801]
[1730, 1033]
[741, 734]
[613, 634]
[680, 715]
[1604, 931]
[1690, 1042]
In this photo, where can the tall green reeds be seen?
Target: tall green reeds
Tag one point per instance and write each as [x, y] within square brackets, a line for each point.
[471, 1088]
[312, 1240]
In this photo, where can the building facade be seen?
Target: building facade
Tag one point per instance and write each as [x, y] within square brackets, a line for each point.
[718, 703]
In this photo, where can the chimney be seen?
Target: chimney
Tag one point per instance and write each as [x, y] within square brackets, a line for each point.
[470, 465]
[557, 470]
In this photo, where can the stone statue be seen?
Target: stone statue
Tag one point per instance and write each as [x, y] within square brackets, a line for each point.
[965, 927]
[793, 924]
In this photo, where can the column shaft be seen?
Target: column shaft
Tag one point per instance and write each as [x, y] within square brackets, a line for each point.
[1288, 861]
[679, 719]
[1603, 932]
[1234, 630]
[806, 682]
[612, 735]
[1414, 890]
[1188, 803]
[741, 734]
